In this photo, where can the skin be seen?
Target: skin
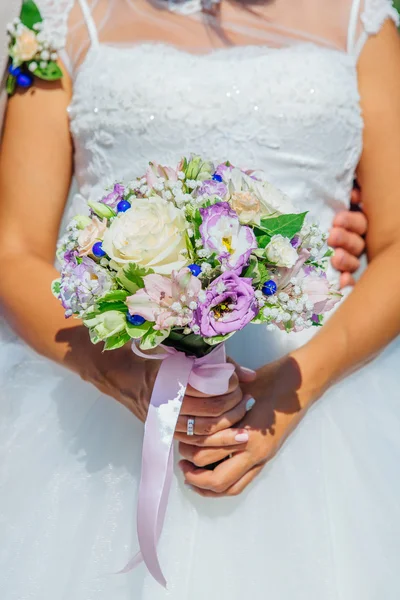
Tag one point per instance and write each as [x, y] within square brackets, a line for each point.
[285, 389]
[43, 180]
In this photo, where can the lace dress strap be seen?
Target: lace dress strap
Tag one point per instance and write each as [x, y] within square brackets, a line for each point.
[90, 24]
[367, 18]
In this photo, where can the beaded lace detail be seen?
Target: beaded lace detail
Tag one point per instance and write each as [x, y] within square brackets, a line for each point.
[375, 13]
[55, 14]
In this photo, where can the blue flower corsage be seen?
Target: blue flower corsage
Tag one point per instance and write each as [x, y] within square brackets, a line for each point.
[32, 50]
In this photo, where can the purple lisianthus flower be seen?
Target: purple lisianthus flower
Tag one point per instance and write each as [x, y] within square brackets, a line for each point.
[81, 283]
[222, 233]
[115, 196]
[222, 169]
[295, 241]
[230, 304]
[212, 188]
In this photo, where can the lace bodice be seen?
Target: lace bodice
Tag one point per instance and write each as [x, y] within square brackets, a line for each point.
[292, 111]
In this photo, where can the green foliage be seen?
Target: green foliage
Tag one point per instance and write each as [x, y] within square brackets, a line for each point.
[152, 338]
[257, 271]
[10, 85]
[286, 225]
[218, 339]
[56, 287]
[116, 341]
[30, 14]
[137, 331]
[51, 72]
[192, 344]
[131, 277]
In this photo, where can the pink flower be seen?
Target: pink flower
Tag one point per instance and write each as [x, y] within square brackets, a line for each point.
[318, 289]
[169, 302]
[155, 171]
[92, 233]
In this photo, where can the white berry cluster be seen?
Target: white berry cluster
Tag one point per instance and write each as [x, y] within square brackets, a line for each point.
[33, 46]
[290, 309]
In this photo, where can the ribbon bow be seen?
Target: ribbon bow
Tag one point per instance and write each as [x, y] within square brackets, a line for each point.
[210, 375]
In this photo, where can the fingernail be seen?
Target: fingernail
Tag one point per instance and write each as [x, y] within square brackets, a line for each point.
[243, 436]
[249, 371]
[249, 404]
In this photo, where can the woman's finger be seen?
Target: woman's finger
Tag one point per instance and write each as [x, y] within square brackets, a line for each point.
[201, 457]
[208, 426]
[221, 439]
[224, 476]
[346, 280]
[244, 374]
[211, 406]
[355, 196]
[355, 222]
[352, 242]
[236, 489]
[345, 262]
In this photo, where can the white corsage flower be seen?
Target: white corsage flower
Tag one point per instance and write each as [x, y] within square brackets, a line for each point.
[280, 252]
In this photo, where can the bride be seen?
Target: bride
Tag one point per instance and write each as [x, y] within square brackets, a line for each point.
[310, 91]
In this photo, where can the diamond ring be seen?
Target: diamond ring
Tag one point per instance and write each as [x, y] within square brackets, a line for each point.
[190, 426]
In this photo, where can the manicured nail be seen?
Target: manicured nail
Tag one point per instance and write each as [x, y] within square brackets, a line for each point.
[246, 370]
[243, 436]
[249, 404]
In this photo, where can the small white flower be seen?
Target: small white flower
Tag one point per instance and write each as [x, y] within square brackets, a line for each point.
[220, 287]
[45, 55]
[198, 243]
[309, 305]
[205, 267]
[297, 290]
[274, 313]
[271, 327]
[183, 298]
[202, 296]
[260, 302]
[258, 294]
[273, 300]
[190, 232]
[196, 329]
[193, 305]
[16, 21]
[267, 312]
[168, 195]
[293, 281]
[279, 319]
[33, 66]
[176, 306]
[187, 330]
[299, 321]
[43, 65]
[286, 317]
[181, 175]
[283, 297]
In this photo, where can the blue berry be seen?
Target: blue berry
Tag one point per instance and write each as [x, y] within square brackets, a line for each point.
[135, 319]
[269, 288]
[14, 71]
[98, 250]
[24, 80]
[123, 206]
[217, 177]
[195, 269]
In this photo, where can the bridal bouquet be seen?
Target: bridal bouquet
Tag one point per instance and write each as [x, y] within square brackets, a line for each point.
[184, 258]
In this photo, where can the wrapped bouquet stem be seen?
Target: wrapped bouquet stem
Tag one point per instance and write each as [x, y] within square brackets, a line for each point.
[180, 260]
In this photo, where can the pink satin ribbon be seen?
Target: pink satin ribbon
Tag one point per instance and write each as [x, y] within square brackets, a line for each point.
[210, 375]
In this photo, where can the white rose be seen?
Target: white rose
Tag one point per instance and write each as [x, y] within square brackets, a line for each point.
[26, 45]
[150, 234]
[280, 252]
[271, 201]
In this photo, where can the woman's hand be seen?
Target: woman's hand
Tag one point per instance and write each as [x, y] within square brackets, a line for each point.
[281, 401]
[347, 237]
[130, 380]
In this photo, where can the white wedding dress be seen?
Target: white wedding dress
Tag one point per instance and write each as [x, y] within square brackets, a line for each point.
[322, 521]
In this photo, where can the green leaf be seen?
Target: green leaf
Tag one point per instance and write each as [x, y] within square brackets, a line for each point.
[252, 270]
[137, 331]
[116, 341]
[51, 72]
[263, 240]
[264, 273]
[153, 338]
[286, 225]
[131, 277]
[30, 14]
[113, 295]
[11, 84]
[191, 344]
[218, 339]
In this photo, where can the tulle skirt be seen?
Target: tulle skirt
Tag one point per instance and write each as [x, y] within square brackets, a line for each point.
[321, 522]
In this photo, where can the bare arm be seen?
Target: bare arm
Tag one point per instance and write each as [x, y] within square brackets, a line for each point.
[348, 339]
